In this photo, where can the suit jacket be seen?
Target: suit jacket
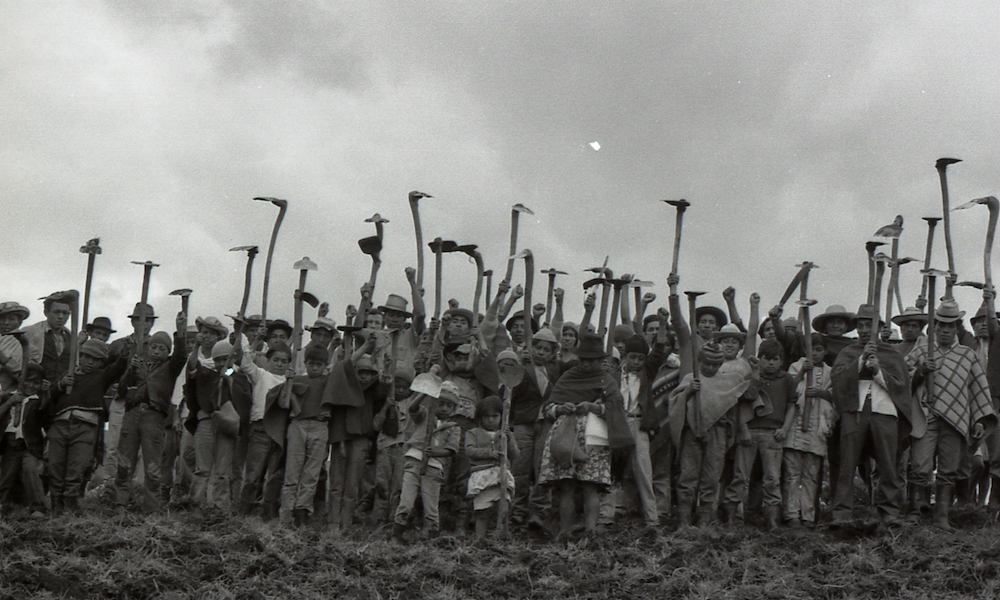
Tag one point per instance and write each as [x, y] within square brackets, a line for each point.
[526, 397]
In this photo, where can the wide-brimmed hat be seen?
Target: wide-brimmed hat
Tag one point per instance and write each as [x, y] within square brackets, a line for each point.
[835, 311]
[591, 346]
[279, 324]
[464, 313]
[729, 331]
[100, 323]
[212, 323]
[947, 312]
[323, 323]
[720, 317]
[143, 310]
[981, 314]
[867, 312]
[10, 308]
[253, 320]
[910, 314]
[520, 315]
[398, 304]
[96, 348]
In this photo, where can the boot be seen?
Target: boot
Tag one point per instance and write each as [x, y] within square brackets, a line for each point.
[962, 492]
[771, 517]
[462, 526]
[269, 511]
[397, 533]
[942, 505]
[683, 518]
[994, 503]
[913, 512]
[730, 512]
[705, 517]
[72, 504]
[57, 506]
[297, 517]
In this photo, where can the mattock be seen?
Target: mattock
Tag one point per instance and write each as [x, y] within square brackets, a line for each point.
[552, 286]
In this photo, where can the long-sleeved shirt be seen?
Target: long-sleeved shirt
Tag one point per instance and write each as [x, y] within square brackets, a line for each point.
[261, 380]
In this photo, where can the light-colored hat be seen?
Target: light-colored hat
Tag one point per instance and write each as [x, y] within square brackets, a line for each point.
[867, 312]
[835, 311]
[96, 348]
[212, 323]
[396, 303]
[365, 364]
[323, 323]
[729, 331]
[947, 312]
[8, 308]
[508, 354]
[544, 335]
[910, 314]
[711, 354]
[222, 349]
[449, 391]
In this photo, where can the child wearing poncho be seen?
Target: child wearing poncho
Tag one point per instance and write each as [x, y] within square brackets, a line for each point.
[484, 451]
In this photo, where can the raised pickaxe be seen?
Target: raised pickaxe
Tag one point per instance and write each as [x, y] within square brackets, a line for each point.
[242, 314]
[515, 212]
[147, 271]
[471, 250]
[92, 248]
[899, 297]
[681, 205]
[414, 199]
[942, 166]
[640, 306]
[373, 247]
[604, 279]
[618, 284]
[932, 275]
[282, 208]
[552, 286]
[994, 207]
[931, 223]
[436, 247]
[881, 260]
[804, 305]
[73, 297]
[185, 295]
[870, 249]
[892, 231]
[796, 282]
[303, 267]
[488, 274]
[529, 282]
[972, 284]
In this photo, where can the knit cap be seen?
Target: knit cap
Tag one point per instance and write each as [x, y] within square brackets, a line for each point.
[636, 344]
[623, 332]
[449, 391]
[711, 354]
[544, 335]
[162, 338]
[96, 348]
[508, 354]
[222, 349]
[406, 373]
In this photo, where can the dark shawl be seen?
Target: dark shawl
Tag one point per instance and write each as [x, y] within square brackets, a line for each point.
[575, 387]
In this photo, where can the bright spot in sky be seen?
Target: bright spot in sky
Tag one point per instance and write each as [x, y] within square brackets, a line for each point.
[595, 145]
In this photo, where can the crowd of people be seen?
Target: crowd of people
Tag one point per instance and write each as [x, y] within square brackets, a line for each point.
[393, 420]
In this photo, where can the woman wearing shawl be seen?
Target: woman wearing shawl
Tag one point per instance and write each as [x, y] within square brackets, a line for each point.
[590, 400]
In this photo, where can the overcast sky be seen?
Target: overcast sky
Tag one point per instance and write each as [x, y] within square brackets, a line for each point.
[795, 129]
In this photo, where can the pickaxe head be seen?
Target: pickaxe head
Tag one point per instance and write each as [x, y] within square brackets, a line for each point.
[989, 201]
[932, 221]
[522, 254]
[905, 259]
[183, 292]
[942, 163]
[592, 282]
[449, 246]
[870, 246]
[806, 303]
[250, 250]
[376, 218]
[309, 299]
[415, 195]
[640, 283]
[882, 257]
[469, 249]
[370, 245]
[92, 246]
[521, 208]
[934, 273]
[972, 284]
[305, 265]
[693, 295]
[436, 245]
[488, 273]
[148, 263]
[553, 272]
[892, 230]
[275, 201]
[620, 283]
[807, 265]
[678, 204]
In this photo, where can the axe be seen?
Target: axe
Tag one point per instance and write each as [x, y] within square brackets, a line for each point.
[994, 207]
[303, 267]
[870, 249]
[414, 200]
[681, 205]
[552, 286]
[185, 295]
[147, 271]
[92, 248]
[242, 314]
[282, 208]
[931, 223]
[372, 246]
[515, 212]
[942, 166]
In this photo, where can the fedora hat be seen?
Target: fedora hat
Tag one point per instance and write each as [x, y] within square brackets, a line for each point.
[398, 304]
[910, 314]
[520, 315]
[100, 323]
[720, 317]
[212, 323]
[867, 312]
[591, 346]
[835, 311]
[947, 312]
[464, 313]
[279, 324]
[323, 323]
[142, 311]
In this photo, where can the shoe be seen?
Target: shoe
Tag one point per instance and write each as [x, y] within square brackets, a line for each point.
[771, 518]
[683, 518]
[705, 517]
[536, 522]
[730, 512]
[794, 523]
[57, 506]
[433, 533]
[298, 517]
[72, 504]
[942, 504]
[397, 533]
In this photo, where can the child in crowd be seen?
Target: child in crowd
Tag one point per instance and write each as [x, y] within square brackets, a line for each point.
[21, 449]
[483, 447]
[428, 450]
[308, 432]
[392, 424]
[762, 432]
[806, 443]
